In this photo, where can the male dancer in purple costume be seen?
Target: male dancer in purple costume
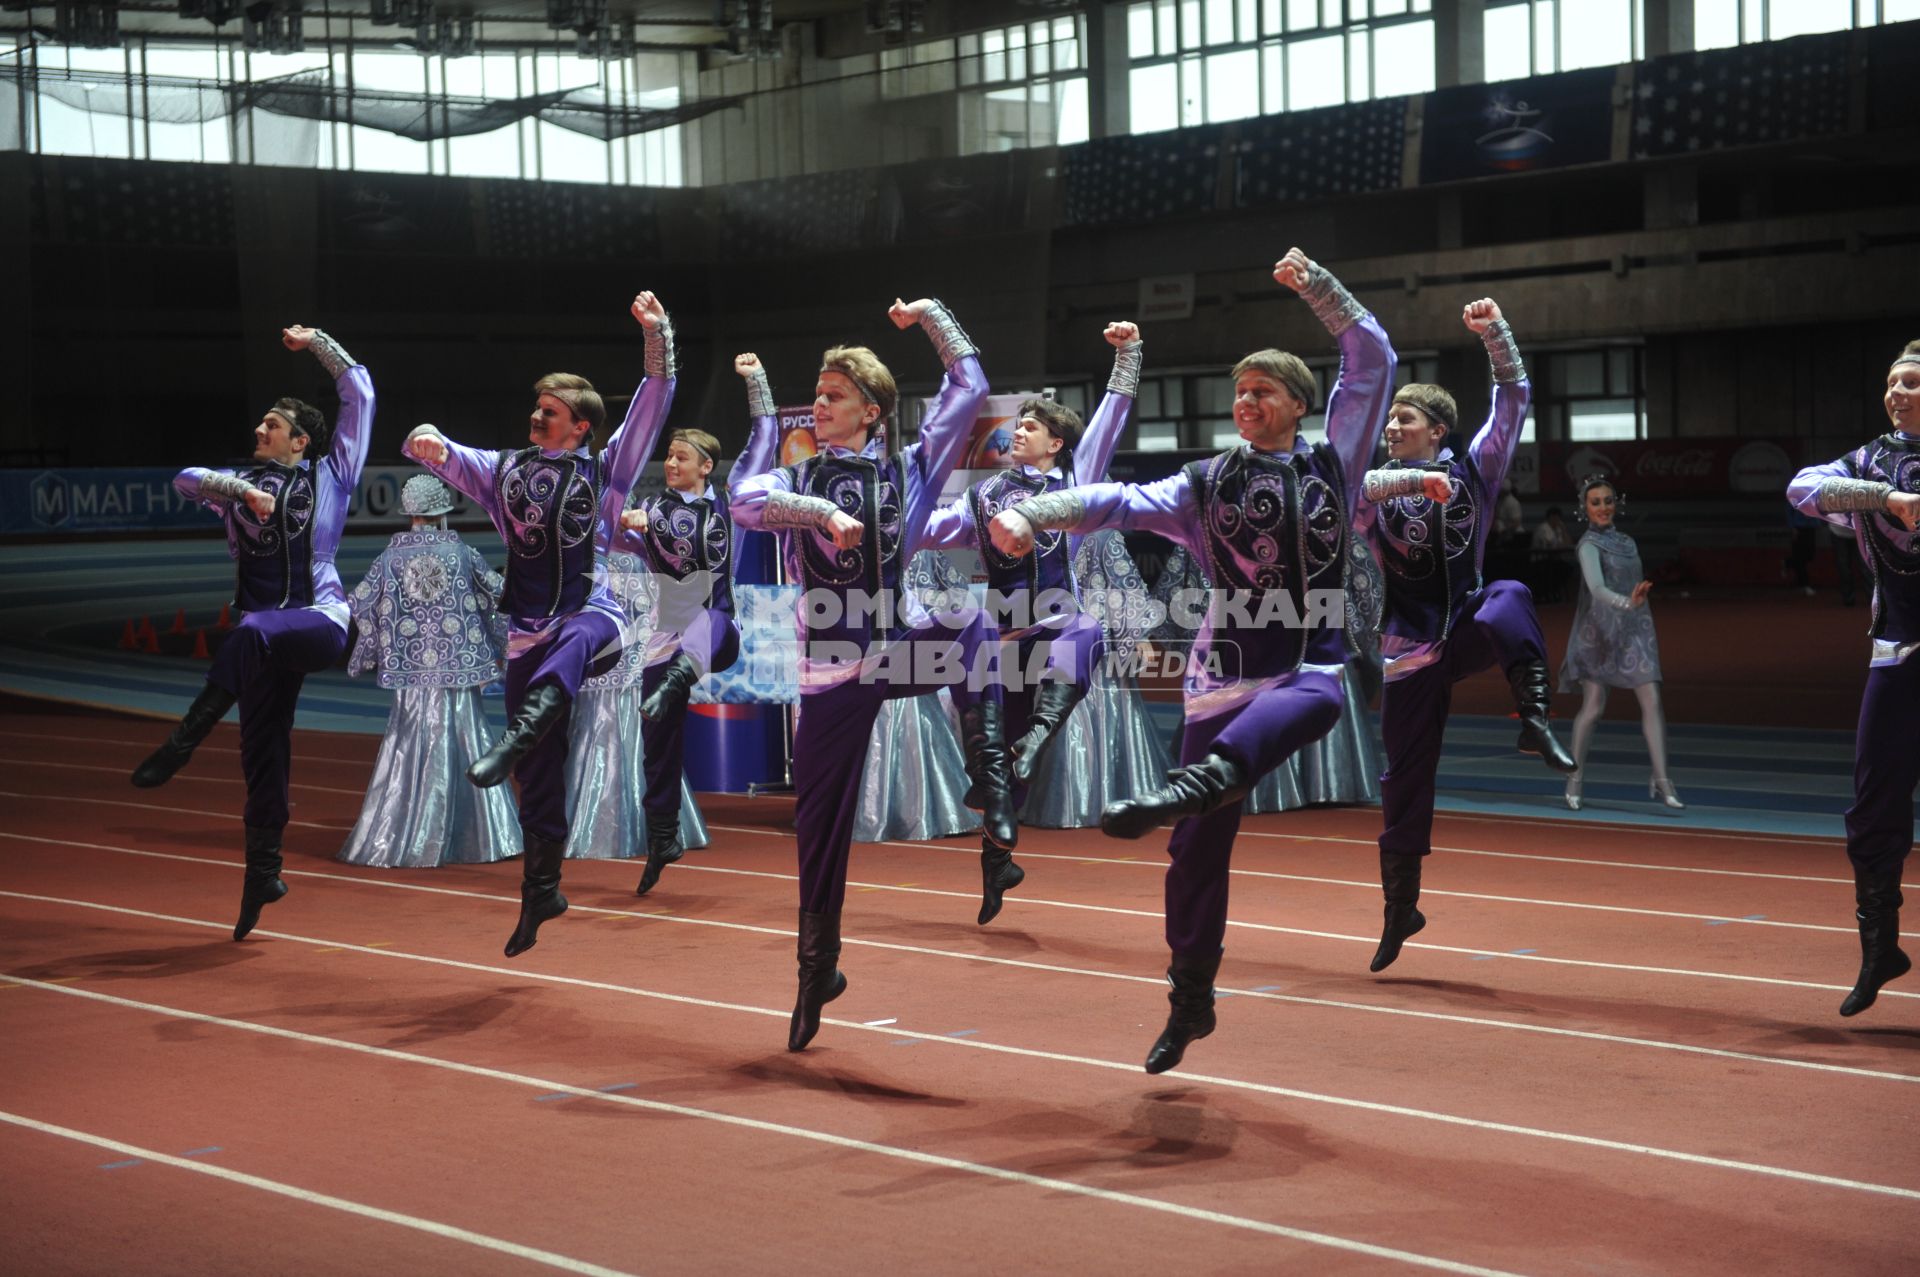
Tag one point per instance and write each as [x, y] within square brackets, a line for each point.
[1051, 452]
[685, 537]
[1270, 521]
[1428, 515]
[284, 516]
[849, 519]
[1874, 492]
[555, 505]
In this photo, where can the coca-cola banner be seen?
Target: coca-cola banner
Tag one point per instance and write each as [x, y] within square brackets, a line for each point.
[1671, 467]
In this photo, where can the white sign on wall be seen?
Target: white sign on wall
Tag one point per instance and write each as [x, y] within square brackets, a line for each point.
[1166, 297]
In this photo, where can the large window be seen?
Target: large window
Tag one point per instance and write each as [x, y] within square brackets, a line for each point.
[1016, 87]
[1591, 395]
[1540, 37]
[1207, 61]
[170, 102]
[1720, 24]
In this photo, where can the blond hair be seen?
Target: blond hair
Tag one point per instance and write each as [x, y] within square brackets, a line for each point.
[863, 368]
[1432, 400]
[1289, 370]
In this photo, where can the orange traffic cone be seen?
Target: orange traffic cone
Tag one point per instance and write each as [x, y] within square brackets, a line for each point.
[179, 622]
[147, 633]
[129, 641]
[151, 643]
[225, 622]
[200, 652]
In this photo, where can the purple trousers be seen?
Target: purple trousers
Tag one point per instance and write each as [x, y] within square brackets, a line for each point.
[264, 661]
[830, 753]
[565, 660]
[1886, 768]
[1497, 626]
[1259, 736]
[1070, 652]
[713, 643]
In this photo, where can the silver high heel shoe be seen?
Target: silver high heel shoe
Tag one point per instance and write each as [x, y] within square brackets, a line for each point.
[1573, 793]
[1662, 789]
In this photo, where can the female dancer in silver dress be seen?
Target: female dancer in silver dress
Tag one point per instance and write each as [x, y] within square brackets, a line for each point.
[430, 629]
[1613, 644]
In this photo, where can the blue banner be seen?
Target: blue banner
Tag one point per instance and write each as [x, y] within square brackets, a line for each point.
[80, 501]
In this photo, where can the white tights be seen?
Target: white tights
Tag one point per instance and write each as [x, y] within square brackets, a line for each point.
[1653, 723]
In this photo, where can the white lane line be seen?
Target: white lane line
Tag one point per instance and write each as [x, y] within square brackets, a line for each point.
[1356, 842]
[1265, 927]
[433, 1227]
[548, 1086]
[177, 811]
[305, 758]
[1239, 1084]
[210, 780]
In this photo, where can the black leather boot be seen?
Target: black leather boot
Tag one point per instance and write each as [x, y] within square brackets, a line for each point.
[1877, 899]
[538, 712]
[262, 885]
[1400, 883]
[207, 709]
[1052, 702]
[663, 848]
[820, 978]
[1191, 995]
[1533, 697]
[998, 875]
[1193, 790]
[540, 898]
[675, 686]
[985, 742]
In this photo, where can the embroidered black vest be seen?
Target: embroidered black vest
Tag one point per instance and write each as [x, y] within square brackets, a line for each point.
[551, 508]
[1431, 554]
[1892, 553]
[274, 565]
[1049, 567]
[1273, 523]
[682, 538]
[873, 492]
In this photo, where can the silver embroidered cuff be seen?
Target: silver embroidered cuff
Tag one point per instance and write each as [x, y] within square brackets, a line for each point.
[230, 486]
[759, 394]
[329, 352]
[1126, 370]
[1503, 352]
[1054, 511]
[659, 359]
[1845, 496]
[1332, 304]
[419, 431]
[795, 510]
[1382, 485]
[949, 338]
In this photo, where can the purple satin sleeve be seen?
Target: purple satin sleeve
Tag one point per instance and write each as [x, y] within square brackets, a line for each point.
[1803, 494]
[1493, 448]
[943, 440]
[763, 441]
[188, 484]
[747, 500]
[628, 450]
[1102, 437]
[352, 433]
[1358, 402]
[1165, 507]
[470, 471]
[950, 527]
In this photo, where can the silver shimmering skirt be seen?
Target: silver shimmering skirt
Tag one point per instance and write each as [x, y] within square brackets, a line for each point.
[1107, 750]
[916, 775]
[607, 780]
[421, 811]
[1341, 767]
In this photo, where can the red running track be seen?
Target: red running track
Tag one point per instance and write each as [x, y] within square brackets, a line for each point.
[1609, 1052]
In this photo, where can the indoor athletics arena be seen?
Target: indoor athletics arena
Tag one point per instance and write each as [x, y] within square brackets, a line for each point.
[959, 636]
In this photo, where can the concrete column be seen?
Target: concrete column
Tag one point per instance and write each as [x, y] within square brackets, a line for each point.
[1669, 26]
[1459, 42]
[1109, 106]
